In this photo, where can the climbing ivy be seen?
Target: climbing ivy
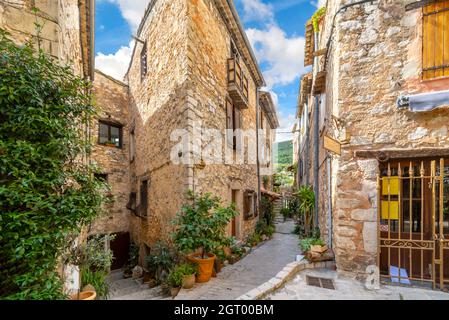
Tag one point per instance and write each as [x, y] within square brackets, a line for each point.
[47, 191]
[316, 18]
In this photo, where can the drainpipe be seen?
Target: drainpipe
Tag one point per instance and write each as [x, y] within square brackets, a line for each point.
[329, 202]
[316, 142]
[307, 147]
[259, 193]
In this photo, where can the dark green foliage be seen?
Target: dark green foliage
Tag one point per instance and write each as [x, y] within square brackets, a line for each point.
[161, 260]
[175, 277]
[307, 242]
[47, 193]
[306, 206]
[133, 258]
[202, 224]
[94, 260]
[265, 225]
[284, 152]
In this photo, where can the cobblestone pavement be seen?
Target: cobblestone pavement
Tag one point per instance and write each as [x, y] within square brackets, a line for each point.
[349, 289]
[255, 269]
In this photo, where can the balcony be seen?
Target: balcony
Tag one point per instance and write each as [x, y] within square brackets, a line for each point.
[237, 84]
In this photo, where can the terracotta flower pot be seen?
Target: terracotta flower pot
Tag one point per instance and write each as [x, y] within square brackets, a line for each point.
[188, 281]
[205, 266]
[174, 291]
[84, 295]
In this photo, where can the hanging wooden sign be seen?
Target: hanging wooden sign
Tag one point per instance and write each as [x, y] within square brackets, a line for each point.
[332, 145]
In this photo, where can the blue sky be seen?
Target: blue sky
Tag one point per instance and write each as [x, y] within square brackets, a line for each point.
[274, 27]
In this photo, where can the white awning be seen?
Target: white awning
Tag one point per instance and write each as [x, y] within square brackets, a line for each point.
[424, 101]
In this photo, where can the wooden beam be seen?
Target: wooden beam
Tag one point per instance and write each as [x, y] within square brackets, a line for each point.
[385, 155]
[321, 52]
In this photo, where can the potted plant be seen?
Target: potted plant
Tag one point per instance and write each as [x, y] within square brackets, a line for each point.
[94, 261]
[160, 261]
[174, 280]
[110, 144]
[200, 229]
[188, 273]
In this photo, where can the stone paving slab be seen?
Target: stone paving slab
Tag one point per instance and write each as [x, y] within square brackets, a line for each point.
[255, 269]
[349, 289]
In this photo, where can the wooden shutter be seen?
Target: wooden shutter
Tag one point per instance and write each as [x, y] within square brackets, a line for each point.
[436, 40]
[246, 205]
[237, 125]
[144, 198]
[229, 122]
[256, 204]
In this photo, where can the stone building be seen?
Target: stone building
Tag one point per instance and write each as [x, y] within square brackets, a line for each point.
[185, 117]
[374, 114]
[67, 31]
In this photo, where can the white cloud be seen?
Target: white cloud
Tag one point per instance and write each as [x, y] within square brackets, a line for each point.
[132, 10]
[115, 64]
[319, 3]
[286, 125]
[284, 55]
[256, 10]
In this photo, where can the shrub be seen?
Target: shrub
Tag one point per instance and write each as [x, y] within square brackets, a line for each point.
[94, 261]
[306, 198]
[306, 243]
[202, 224]
[46, 193]
[160, 261]
[176, 275]
[286, 213]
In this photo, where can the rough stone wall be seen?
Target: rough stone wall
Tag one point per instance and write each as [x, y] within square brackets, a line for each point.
[60, 34]
[111, 99]
[208, 50]
[158, 107]
[380, 58]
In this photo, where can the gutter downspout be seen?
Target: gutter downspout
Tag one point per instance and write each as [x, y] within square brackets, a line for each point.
[259, 192]
[316, 144]
[307, 147]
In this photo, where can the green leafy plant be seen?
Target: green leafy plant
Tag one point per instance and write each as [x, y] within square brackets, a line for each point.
[306, 198]
[97, 279]
[286, 213]
[160, 261]
[94, 260]
[306, 243]
[174, 279]
[176, 276]
[47, 194]
[133, 258]
[317, 17]
[202, 224]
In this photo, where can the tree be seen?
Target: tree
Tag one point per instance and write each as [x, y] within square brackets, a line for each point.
[47, 192]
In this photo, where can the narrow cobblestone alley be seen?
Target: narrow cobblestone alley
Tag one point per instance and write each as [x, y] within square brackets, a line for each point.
[255, 269]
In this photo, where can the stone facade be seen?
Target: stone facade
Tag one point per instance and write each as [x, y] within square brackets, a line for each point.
[183, 47]
[66, 33]
[111, 100]
[375, 56]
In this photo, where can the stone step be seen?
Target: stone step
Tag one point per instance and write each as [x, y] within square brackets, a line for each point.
[143, 293]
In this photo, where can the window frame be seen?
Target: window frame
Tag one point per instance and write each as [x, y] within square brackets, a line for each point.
[437, 70]
[110, 124]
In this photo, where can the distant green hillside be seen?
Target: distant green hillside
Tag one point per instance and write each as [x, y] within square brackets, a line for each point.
[284, 154]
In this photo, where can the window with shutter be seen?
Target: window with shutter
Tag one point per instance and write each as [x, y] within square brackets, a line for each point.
[250, 207]
[229, 123]
[436, 40]
[237, 125]
[144, 198]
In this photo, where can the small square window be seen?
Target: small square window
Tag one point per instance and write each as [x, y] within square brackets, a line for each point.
[110, 134]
